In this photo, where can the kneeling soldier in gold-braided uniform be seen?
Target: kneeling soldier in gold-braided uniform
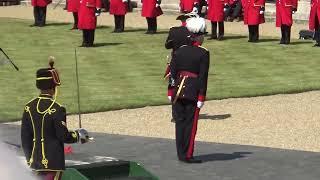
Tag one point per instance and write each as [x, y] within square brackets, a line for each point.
[43, 129]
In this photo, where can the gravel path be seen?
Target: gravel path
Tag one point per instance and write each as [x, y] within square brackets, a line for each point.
[280, 121]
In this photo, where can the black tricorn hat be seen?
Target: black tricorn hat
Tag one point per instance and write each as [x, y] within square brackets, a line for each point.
[48, 78]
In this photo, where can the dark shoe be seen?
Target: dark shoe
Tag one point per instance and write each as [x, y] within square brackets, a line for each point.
[220, 38]
[33, 25]
[173, 120]
[84, 45]
[74, 28]
[116, 31]
[316, 45]
[151, 32]
[281, 42]
[212, 37]
[191, 160]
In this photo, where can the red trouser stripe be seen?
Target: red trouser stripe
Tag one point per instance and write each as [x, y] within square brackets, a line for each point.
[193, 133]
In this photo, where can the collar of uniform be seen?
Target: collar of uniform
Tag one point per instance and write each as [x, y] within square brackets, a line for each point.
[45, 96]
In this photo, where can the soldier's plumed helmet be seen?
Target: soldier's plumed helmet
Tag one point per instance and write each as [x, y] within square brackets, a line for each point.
[196, 25]
[48, 78]
[184, 17]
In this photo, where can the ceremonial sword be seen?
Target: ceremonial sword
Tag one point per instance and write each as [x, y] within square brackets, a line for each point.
[9, 59]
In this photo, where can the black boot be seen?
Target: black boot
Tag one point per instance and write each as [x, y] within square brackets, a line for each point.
[213, 30]
[282, 34]
[75, 18]
[221, 31]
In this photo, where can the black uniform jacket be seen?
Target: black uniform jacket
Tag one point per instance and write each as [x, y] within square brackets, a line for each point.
[177, 37]
[43, 134]
[189, 69]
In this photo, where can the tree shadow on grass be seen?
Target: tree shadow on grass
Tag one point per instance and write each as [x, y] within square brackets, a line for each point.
[103, 27]
[301, 42]
[214, 117]
[134, 30]
[58, 24]
[268, 40]
[105, 44]
[222, 156]
[234, 37]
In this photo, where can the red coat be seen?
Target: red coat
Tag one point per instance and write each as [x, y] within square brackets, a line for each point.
[149, 9]
[284, 11]
[117, 7]
[251, 12]
[314, 11]
[87, 18]
[73, 5]
[215, 10]
[40, 3]
[186, 6]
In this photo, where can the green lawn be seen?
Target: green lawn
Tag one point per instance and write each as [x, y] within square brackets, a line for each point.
[125, 70]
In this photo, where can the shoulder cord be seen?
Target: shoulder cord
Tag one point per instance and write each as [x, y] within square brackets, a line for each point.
[27, 109]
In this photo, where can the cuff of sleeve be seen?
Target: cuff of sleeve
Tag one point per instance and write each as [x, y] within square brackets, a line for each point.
[75, 135]
[201, 98]
[170, 92]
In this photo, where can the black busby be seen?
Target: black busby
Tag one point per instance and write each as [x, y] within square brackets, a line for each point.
[48, 78]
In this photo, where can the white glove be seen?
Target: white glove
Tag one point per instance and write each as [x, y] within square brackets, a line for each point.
[195, 10]
[97, 12]
[157, 5]
[169, 97]
[200, 104]
[124, 1]
[261, 12]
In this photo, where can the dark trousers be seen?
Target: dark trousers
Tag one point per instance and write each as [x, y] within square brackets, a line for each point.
[119, 23]
[88, 37]
[185, 113]
[317, 31]
[285, 34]
[152, 25]
[39, 14]
[75, 18]
[253, 33]
[214, 25]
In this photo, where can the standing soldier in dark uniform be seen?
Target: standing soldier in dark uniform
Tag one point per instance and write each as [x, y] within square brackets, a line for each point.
[189, 75]
[88, 12]
[253, 11]
[284, 11]
[151, 10]
[178, 36]
[119, 9]
[40, 12]
[44, 131]
[314, 20]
